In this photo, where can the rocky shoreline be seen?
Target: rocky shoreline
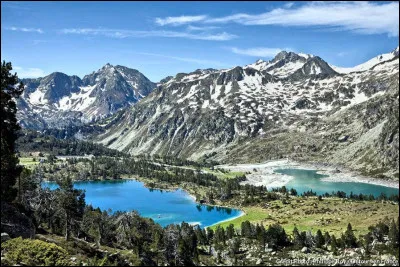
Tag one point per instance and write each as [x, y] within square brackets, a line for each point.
[263, 173]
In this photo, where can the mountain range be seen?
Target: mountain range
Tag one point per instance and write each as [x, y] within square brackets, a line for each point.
[295, 105]
[59, 100]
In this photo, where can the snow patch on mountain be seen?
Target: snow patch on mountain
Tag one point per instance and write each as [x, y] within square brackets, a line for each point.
[368, 64]
[37, 97]
[78, 101]
[287, 69]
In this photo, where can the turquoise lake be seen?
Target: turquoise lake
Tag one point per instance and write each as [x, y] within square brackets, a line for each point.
[174, 207]
[304, 180]
[164, 207]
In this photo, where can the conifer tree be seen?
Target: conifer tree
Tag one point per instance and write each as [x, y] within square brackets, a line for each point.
[10, 169]
[334, 245]
[230, 231]
[71, 203]
[319, 239]
[297, 238]
[367, 241]
[327, 238]
[349, 238]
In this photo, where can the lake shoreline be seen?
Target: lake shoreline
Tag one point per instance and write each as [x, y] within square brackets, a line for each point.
[242, 213]
[263, 173]
[174, 188]
[171, 188]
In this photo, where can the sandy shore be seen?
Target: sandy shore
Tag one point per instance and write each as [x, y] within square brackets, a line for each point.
[242, 213]
[263, 173]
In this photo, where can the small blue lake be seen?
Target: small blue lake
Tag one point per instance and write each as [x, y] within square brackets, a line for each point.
[304, 180]
[164, 207]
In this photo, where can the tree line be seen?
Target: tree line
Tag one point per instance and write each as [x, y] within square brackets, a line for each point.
[29, 141]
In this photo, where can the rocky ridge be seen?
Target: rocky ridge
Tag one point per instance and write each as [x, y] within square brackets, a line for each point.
[59, 100]
[273, 108]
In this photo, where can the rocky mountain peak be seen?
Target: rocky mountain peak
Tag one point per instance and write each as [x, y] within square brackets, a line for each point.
[283, 64]
[306, 56]
[166, 79]
[286, 56]
[107, 66]
[96, 96]
[106, 69]
[123, 68]
[53, 86]
[209, 70]
[280, 55]
[313, 66]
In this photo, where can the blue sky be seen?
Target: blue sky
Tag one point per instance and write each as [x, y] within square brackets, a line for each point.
[164, 38]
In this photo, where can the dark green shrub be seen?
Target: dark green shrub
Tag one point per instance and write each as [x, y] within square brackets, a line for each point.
[33, 253]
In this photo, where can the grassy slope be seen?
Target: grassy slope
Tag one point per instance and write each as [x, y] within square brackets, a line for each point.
[223, 175]
[29, 162]
[330, 214]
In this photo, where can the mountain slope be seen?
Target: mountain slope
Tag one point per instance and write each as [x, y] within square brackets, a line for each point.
[370, 63]
[216, 112]
[59, 100]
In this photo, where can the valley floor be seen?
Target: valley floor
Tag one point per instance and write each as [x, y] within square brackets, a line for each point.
[311, 213]
[306, 213]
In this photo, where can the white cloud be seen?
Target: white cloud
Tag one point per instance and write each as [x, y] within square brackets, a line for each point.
[185, 59]
[115, 33]
[175, 21]
[258, 51]
[201, 28]
[359, 17]
[22, 29]
[28, 72]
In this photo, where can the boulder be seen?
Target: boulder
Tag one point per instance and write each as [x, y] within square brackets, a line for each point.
[4, 237]
[15, 223]
[305, 250]
[303, 103]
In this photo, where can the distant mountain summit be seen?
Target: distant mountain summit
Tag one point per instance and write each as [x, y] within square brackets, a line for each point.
[51, 88]
[370, 63]
[313, 66]
[282, 65]
[59, 100]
